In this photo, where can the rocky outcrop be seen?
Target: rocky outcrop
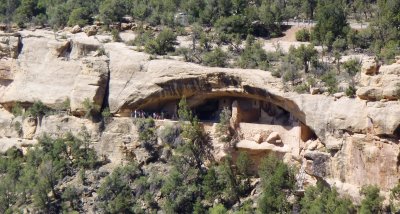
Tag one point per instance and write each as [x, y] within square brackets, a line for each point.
[90, 30]
[10, 45]
[370, 93]
[55, 70]
[59, 48]
[384, 84]
[364, 160]
[90, 84]
[76, 29]
[369, 66]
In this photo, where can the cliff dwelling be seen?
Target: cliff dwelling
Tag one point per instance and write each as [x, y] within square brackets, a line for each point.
[247, 110]
[255, 119]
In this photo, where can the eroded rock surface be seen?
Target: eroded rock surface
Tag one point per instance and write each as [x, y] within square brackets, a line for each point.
[355, 142]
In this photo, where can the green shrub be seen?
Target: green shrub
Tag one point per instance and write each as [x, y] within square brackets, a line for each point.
[38, 109]
[90, 108]
[113, 10]
[58, 15]
[303, 35]
[147, 132]
[253, 56]
[170, 135]
[218, 209]
[39, 20]
[289, 69]
[394, 199]
[364, 38]
[18, 128]
[330, 81]
[66, 105]
[72, 196]
[115, 35]
[216, 58]
[352, 38]
[322, 199]
[106, 112]
[223, 127]
[302, 88]
[235, 24]
[350, 91]
[188, 54]
[79, 16]
[277, 181]
[17, 109]
[141, 39]
[244, 164]
[276, 73]
[352, 67]
[389, 52]
[115, 193]
[340, 44]
[372, 202]
[162, 44]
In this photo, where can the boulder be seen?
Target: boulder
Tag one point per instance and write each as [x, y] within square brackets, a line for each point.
[90, 30]
[126, 26]
[369, 93]
[333, 143]
[82, 47]
[338, 95]
[391, 91]
[369, 66]
[258, 138]
[319, 163]
[76, 29]
[390, 69]
[274, 138]
[59, 48]
[134, 27]
[314, 90]
[311, 145]
[29, 128]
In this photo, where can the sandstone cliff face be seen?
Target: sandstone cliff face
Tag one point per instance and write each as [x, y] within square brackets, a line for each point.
[54, 70]
[357, 138]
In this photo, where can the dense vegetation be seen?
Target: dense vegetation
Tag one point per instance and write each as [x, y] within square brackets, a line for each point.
[259, 18]
[34, 178]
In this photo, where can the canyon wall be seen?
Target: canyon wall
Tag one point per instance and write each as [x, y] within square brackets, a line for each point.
[357, 138]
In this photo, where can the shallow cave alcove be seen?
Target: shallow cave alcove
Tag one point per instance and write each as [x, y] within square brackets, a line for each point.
[208, 111]
[396, 132]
